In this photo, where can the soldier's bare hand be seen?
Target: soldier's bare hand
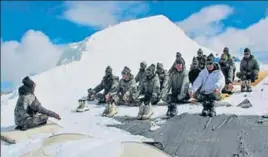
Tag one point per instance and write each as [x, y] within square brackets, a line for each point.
[217, 91]
[57, 116]
[191, 94]
[230, 86]
[107, 97]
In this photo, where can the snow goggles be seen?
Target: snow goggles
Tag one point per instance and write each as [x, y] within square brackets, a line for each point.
[142, 65]
[209, 63]
[223, 59]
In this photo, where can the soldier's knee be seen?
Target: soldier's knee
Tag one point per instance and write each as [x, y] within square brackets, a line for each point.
[254, 74]
[169, 98]
[216, 96]
[199, 96]
[186, 87]
[239, 75]
[154, 100]
[43, 117]
[116, 98]
[100, 97]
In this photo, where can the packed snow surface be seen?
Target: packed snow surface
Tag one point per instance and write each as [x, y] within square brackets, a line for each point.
[154, 39]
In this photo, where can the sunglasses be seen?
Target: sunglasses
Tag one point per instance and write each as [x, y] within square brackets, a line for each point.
[246, 53]
[223, 60]
[123, 73]
[209, 63]
[142, 65]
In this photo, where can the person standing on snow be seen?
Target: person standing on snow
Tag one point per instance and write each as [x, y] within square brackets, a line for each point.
[109, 84]
[163, 77]
[172, 69]
[194, 70]
[149, 93]
[249, 70]
[211, 81]
[230, 61]
[127, 92]
[141, 74]
[227, 71]
[29, 112]
[179, 85]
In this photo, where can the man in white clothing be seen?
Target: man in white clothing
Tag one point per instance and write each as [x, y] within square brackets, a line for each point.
[210, 81]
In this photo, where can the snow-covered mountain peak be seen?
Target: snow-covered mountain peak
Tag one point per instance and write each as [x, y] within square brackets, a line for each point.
[144, 34]
[153, 39]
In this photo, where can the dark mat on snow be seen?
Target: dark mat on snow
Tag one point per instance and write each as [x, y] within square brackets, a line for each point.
[189, 135]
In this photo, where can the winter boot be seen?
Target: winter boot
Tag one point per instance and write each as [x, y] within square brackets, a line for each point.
[82, 106]
[205, 108]
[248, 85]
[110, 111]
[243, 86]
[173, 110]
[212, 110]
[141, 111]
[147, 112]
[169, 110]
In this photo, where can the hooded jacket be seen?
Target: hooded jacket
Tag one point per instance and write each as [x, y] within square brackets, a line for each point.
[209, 81]
[248, 65]
[109, 84]
[128, 86]
[151, 85]
[28, 106]
[177, 83]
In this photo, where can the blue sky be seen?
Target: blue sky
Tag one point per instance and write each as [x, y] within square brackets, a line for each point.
[18, 17]
[213, 24]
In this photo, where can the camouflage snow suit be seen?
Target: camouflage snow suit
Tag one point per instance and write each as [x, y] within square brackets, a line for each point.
[178, 83]
[172, 68]
[127, 92]
[201, 58]
[163, 77]
[194, 70]
[141, 74]
[249, 69]
[109, 84]
[227, 71]
[28, 111]
[230, 61]
[150, 89]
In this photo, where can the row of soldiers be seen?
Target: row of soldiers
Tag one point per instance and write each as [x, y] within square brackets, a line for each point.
[155, 83]
[205, 81]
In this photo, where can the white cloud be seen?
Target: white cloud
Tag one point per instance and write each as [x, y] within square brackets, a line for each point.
[35, 53]
[102, 14]
[210, 19]
[206, 21]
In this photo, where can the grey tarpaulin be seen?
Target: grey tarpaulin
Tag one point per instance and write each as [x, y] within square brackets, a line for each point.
[189, 135]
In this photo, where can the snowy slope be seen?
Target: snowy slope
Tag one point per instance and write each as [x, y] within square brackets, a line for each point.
[154, 39]
[72, 52]
[151, 39]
